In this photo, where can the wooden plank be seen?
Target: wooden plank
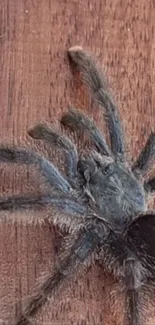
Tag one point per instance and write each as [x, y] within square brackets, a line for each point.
[37, 85]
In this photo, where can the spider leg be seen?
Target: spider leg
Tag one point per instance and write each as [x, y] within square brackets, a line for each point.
[141, 236]
[60, 201]
[146, 157]
[50, 135]
[130, 257]
[79, 121]
[49, 171]
[132, 302]
[150, 186]
[80, 250]
[136, 298]
[92, 77]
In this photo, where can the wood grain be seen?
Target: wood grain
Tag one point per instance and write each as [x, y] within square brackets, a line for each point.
[37, 85]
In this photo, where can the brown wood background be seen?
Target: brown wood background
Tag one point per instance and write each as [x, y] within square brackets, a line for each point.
[37, 85]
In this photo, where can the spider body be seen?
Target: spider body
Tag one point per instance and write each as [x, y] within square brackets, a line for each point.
[103, 200]
[118, 195]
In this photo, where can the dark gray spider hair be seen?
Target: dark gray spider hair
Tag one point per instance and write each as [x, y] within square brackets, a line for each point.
[103, 200]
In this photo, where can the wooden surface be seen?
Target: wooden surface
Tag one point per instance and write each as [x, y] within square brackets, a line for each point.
[37, 85]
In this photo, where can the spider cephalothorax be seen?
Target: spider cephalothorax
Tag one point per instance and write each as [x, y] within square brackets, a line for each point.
[116, 192]
[103, 200]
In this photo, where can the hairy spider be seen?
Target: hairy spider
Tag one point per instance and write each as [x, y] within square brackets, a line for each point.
[103, 200]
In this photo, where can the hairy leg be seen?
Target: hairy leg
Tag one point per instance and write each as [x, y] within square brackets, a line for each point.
[141, 236]
[121, 257]
[97, 84]
[79, 251]
[132, 302]
[49, 171]
[79, 121]
[50, 135]
[146, 158]
[150, 186]
[62, 202]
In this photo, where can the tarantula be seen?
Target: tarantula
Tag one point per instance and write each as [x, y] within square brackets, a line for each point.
[103, 200]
